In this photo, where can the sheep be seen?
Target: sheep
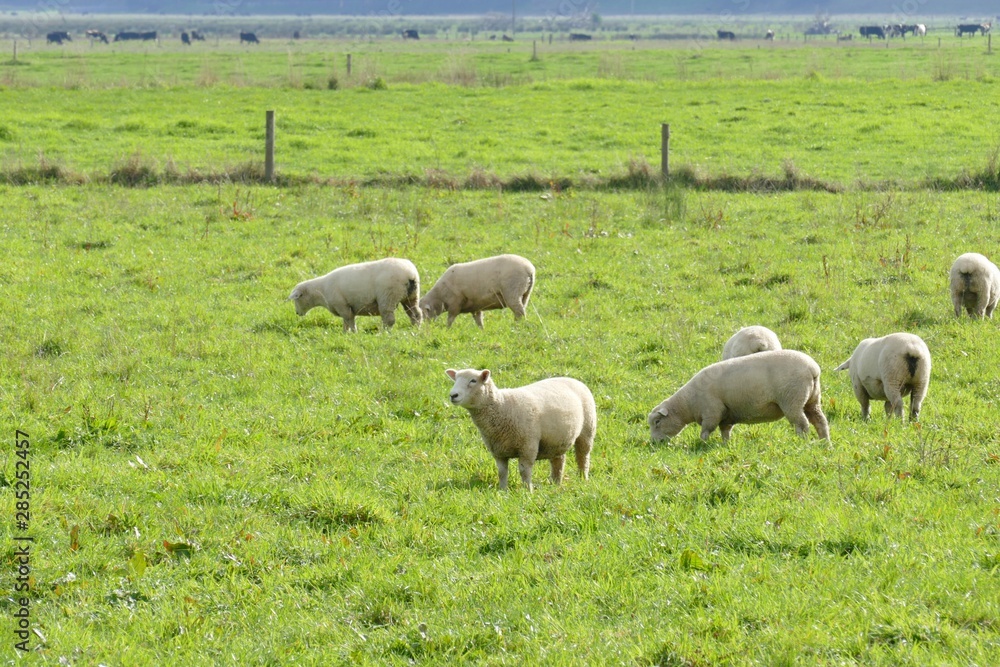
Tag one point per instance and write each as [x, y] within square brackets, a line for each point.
[756, 388]
[975, 284]
[538, 421]
[504, 281]
[368, 288]
[889, 368]
[749, 340]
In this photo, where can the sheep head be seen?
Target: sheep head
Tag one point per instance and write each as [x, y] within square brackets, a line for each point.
[471, 387]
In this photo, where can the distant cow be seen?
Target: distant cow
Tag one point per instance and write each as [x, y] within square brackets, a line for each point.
[296, 35]
[58, 37]
[920, 30]
[726, 34]
[186, 38]
[845, 38]
[769, 36]
[506, 38]
[972, 29]
[98, 35]
[411, 34]
[128, 35]
[249, 38]
[579, 37]
[870, 31]
[197, 36]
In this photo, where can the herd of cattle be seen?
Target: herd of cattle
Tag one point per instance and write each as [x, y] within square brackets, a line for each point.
[60, 36]
[870, 31]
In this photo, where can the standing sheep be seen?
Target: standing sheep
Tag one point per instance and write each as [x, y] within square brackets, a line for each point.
[889, 368]
[504, 281]
[975, 284]
[538, 421]
[761, 387]
[749, 340]
[368, 288]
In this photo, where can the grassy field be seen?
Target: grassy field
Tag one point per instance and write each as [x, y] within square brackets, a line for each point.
[217, 481]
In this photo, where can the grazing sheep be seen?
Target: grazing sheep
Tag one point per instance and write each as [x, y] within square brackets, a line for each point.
[889, 368]
[761, 387]
[538, 421]
[749, 340]
[504, 281]
[369, 288]
[975, 284]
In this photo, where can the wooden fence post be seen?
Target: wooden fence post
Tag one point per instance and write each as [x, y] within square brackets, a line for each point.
[665, 149]
[269, 146]
[348, 64]
[15, 50]
[989, 43]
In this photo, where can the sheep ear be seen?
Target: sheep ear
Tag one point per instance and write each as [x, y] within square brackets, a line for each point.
[294, 295]
[451, 373]
[485, 375]
[661, 411]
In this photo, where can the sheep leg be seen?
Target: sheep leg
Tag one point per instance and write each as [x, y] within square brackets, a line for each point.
[349, 324]
[956, 300]
[863, 399]
[582, 448]
[451, 316]
[478, 317]
[516, 306]
[916, 400]
[814, 413]
[558, 462]
[707, 426]
[524, 466]
[388, 316]
[502, 470]
[413, 312]
[893, 402]
[800, 422]
[725, 430]
[982, 302]
[989, 309]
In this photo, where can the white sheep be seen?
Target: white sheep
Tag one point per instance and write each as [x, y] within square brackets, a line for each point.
[975, 284]
[761, 387]
[889, 368]
[504, 281]
[538, 421]
[749, 340]
[368, 288]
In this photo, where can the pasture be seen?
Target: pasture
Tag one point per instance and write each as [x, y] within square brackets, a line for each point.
[215, 480]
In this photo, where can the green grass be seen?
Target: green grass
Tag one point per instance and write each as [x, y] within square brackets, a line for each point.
[251, 487]
[453, 112]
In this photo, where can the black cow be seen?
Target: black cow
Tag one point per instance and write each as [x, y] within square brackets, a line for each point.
[126, 36]
[186, 38]
[505, 38]
[197, 36]
[726, 34]
[249, 38]
[58, 36]
[97, 34]
[579, 37]
[769, 35]
[870, 31]
[296, 35]
[972, 29]
[411, 34]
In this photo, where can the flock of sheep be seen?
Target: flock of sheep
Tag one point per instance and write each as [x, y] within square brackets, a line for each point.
[756, 381]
